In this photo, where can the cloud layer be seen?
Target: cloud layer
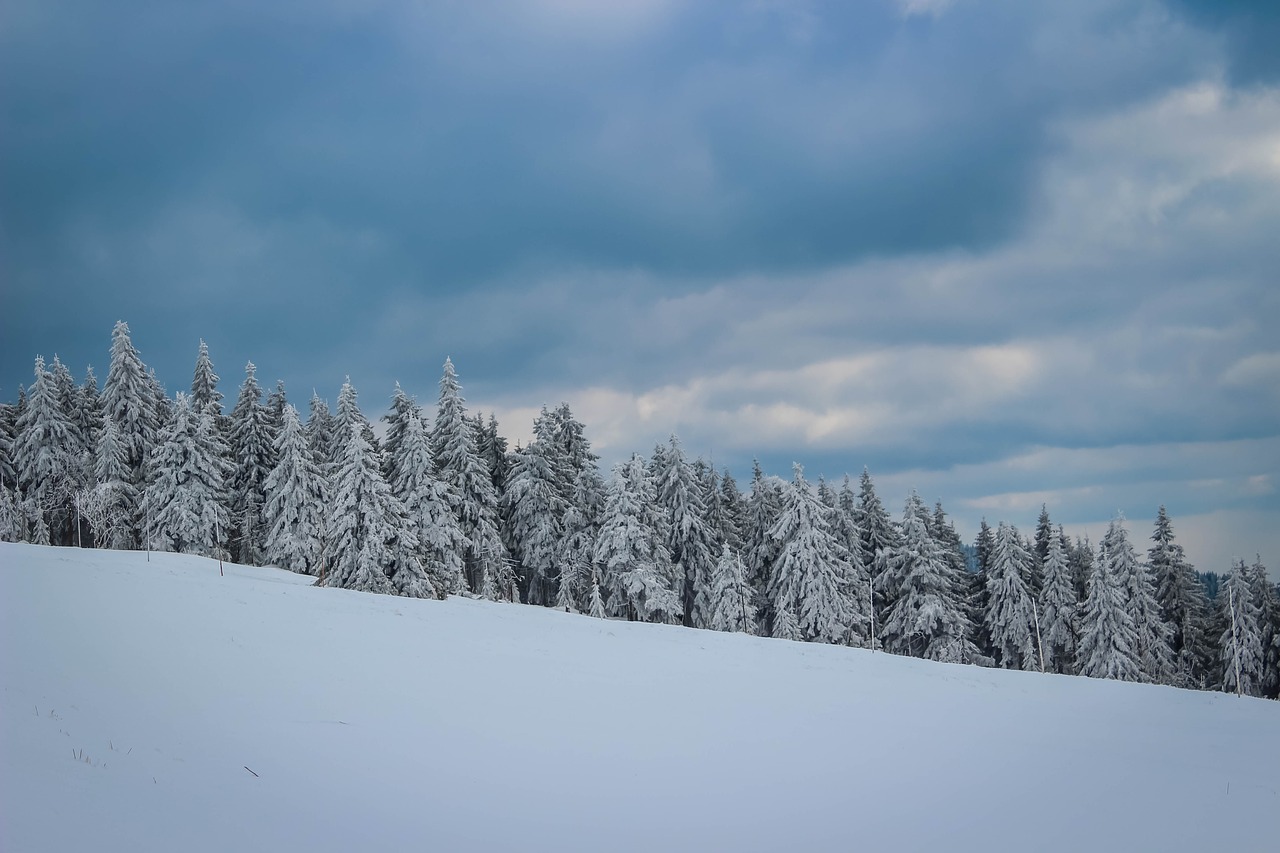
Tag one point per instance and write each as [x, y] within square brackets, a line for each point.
[1003, 253]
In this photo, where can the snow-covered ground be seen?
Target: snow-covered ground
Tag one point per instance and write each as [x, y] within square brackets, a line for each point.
[137, 697]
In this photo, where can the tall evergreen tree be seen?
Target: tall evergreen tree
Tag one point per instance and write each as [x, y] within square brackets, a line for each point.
[763, 506]
[1058, 609]
[128, 400]
[115, 499]
[1155, 657]
[879, 538]
[1010, 617]
[926, 617]
[577, 548]
[1268, 603]
[8, 435]
[253, 455]
[535, 510]
[1243, 657]
[320, 433]
[47, 451]
[205, 395]
[814, 578]
[1109, 646]
[689, 539]
[732, 598]
[733, 512]
[1183, 606]
[459, 465]
[185, 499]
[397, 421]
[429, 504]
[295, 508]
[631, 549]
[373, 546]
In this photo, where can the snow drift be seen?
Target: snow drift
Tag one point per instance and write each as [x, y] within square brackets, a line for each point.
[156, 705]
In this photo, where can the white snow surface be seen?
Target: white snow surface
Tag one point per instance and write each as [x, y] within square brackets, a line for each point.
[135, 694]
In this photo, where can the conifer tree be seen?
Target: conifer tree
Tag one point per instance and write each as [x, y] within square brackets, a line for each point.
[763, 506]
[732, 598]
[294, 511]
[47, 452]
[927, 616]
[373, 547]
[205, 395]
[535, 510]
[276, 401]
[1108, 637]
[1154, 655]
[689, 539]
[459, 466]
[253, 456]
[631, 549]
[320, 433]
[879, 538]
[785, 624]
[814, 577]
[1183, 606]
[397, 421]
[1009, 617]
[577, 550]
[429, 504]
[88, 416]
[185, 499]
[114, 499]
[1058, 609]
[1243, 662]
[128, 398]
[1268, 605]
[596, 606]
[733, 512]
[8, 435]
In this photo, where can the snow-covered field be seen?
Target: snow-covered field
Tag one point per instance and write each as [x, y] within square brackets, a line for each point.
[138, 697]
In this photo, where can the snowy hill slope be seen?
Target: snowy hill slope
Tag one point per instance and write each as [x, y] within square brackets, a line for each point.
[135, 695]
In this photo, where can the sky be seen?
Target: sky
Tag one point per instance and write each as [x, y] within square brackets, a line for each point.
[1004, 253]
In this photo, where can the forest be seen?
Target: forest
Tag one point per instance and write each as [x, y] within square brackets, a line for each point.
[441, 505]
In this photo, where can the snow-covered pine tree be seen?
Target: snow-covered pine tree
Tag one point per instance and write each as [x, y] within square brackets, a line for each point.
[1268, 603]
[397, 421]
[577, 548]
[879, 537]
[88, 416]
[1108, 637]
[1080, 556]
[763, 506]
[1058, 609]
[459, 465]
[128, 398]
[813, 576]
[320, 435]
[1155, 657]
[253, 456]
[8, 434]
[276, 401]
[927, 616]
[535, 509]
[47, 452]
[785, 625]
[114, 499]
[733, 512]
[295, 493]
[595, 607]
[689, 538]
[1183, 605]
[372, 544]
[1010, 617]
[205, 395]
[429, 504]
[185, 500]
[732, 598]
[1243, 662]
[492, 448]
[631, 549]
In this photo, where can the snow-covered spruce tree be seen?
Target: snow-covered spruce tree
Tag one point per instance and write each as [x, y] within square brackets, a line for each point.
[128, 398]
[1183, 605]
[763, 506]
[320, 435]
[88, 415]
[8, 435]
[595, 607]
[1155, 657]
[12, 524]
[459, 465]
[429, 504]
[115, 499]
[372, 544]
[185, 500]
[879, 538]
[689, 539]
[1268, 603]
[631, 550]
[1058, 609]
[1040, 552]
[577, 548]
[276, 401]
[785, 625]
[294, 512]
[253, 456]
[1243, 665]
[814, 577]
[205, 395]
[348, 419]
[535, 509]
[47, 449]
[927, 616]
[397, 421]
[732, 598]
[1010, 618]
[1080, 556]
[733, 512]
[1108, 637]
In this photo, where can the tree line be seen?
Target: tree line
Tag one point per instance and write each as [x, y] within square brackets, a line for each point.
[443, 506]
